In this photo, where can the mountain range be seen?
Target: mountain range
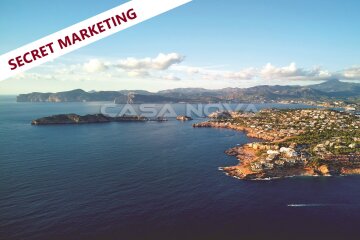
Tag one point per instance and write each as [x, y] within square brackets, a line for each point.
[329, 90]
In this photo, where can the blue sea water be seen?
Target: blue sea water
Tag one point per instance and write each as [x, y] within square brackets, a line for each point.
[151, 181]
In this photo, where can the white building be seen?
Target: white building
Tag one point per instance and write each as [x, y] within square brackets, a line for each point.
[289, 152]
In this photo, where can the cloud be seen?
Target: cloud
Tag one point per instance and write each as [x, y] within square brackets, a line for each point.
[34, 76]
[171, 77]
[170, 67]
[193, 70]
[245, 74]
[95, 65]
[292, 72]
[138, 73]
[208, 73]
[269, 73]
[154, 68]
[352, 73]
[161, 62]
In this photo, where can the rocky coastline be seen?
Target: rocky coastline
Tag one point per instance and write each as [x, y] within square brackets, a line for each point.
[279, 157]
[246, 155]
[249, 131]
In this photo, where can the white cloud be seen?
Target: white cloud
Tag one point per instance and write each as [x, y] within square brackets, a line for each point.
[138, 73]
[168, 69]
[352, 73]
[193, 70]
[245, 74]
[269, 73]
[210, 74]
[292, 72]
[161, 62]
[171, 77]
[95, 65]
[32, 75]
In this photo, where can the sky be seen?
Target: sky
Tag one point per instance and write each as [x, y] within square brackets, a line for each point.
[206, 43]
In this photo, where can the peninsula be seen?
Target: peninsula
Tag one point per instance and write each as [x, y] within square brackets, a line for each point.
[305, 142]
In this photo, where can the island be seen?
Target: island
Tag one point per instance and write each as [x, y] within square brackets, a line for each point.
[302, 142]
[183, 118]
[90, 118]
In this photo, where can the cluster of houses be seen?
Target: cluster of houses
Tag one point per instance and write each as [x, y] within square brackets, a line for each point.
[277, 124]
[327, 147]
[274, 156]
[328, 104]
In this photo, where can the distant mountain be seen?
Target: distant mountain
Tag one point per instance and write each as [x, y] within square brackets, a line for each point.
[338, 88]
[140, 98]
[184, 91]
[76, 95]
[334, 90]
[142, 92]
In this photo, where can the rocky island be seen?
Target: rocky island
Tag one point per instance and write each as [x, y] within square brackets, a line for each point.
[305, 142]
[91, 118]
[183, 118]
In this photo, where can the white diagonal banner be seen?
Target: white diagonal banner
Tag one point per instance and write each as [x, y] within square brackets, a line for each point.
[82, 34]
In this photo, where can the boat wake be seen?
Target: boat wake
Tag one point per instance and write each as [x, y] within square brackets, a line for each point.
[307, 205]
[314, 205]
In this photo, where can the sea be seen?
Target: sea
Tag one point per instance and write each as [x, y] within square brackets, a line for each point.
[152, 180]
